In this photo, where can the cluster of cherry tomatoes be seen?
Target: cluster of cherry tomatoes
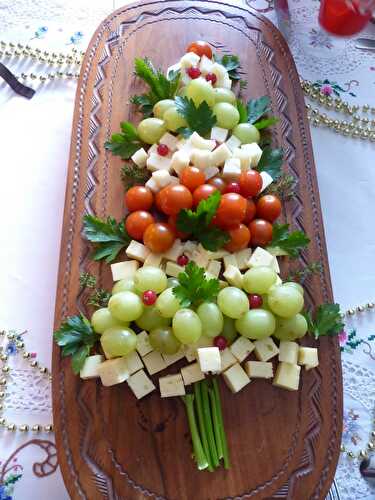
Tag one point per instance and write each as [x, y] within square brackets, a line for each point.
[247, 219]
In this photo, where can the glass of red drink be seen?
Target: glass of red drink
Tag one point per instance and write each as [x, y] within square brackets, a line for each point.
[345, 17]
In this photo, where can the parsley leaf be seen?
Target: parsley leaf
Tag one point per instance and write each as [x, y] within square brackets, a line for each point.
[132, 175]
[198, 223]
[266, 122]
[291, 243]
[256, 108]
[145, 103]
[199, 119]
[242, 110]
[327, 321]
[109, 236]
[194, 288]
[232, 64]
[76, 337]
[126, 143]
[271, 161]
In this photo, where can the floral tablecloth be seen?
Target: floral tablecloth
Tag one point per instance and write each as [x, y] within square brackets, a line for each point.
[35, 138]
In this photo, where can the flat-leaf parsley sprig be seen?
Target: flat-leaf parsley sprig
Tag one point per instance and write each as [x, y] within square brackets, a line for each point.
[327, 321]
[194, 288]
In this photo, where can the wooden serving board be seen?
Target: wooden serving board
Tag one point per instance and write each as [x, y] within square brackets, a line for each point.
[284, 445]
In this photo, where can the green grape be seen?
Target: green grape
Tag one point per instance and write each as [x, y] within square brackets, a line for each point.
[187, 326]
[246, 133]
[229, 330]
[102, 319]
[167, 303]
[285, 301]
[124, 286]
[151, 129]
[291, 328]
[163, 340]
[233, 302]
[259, 279]
[161, 107]
[211, 318]
[224, 95]
[200, 90]
[118, 341]
[227, 115]
[151, 319]
[172, 282]
[297, 286]
[173, 119]
[150, 278]
[256, 324]
[125, 306]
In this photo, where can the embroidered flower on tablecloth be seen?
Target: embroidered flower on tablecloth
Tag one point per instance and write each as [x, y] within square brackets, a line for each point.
[40, 32]
[328, 87]
[343, 337]
[76, 38]
[351, 428]
[350, 342]
[7, 486]
[319, 38]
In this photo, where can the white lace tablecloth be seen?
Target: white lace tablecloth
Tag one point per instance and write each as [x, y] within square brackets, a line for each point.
[35, 137]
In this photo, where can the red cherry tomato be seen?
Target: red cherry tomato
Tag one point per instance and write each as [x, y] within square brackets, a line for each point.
[268, 207]
[250, 211]
[138, 198]
[137, 222]
[218, 183]
[239, 238]
[233, 187]
[261, 232]
[231, 211]
[172, 224]
[200, 48]
[158, 237]
[157, 201]
[192, 177]
[202, 193]
[175, 198]
[251, 183]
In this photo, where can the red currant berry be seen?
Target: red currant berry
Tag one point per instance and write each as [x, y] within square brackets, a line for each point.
[232, 187]
[149, 297]
[194, 73]
[255, 301]
[220, 342]
[163, 149]
[182, 260]
[211, 77]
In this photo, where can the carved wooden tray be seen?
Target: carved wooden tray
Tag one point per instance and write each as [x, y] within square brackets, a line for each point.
[283, 445]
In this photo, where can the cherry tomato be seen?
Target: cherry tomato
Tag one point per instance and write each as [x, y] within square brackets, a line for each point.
[200, 48]
[137, 222]
[233, 187]
[218, 183]
[158, 201]
[175, 198]
[138, 198]
[172, 224]
[239, 238]
[251, 183]
[268, 207]
[158, 237]
[261, 232]
[192, 177]
[202, 193]
[250, 211]
[231, 211]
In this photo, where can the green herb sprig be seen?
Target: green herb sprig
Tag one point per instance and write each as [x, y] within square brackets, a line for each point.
[132, 175]
[199, 118]
[271, 162]
[327, 321]
[109, 237]
[194, 288]
[290, 243]
[125, 143]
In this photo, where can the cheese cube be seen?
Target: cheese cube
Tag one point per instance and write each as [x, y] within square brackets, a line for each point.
[201, 158]
[210, 172]
[174, 67]
[151, 184]
[254, 151]
[209, 359]
[185, 78]
[199, 142]
[153, 260]
[219, 134]
[171, 385]
[175, 251]
[170, 141]
[191, 349]
[278, 281]
[200, 257]
[267, 180]
[260, 258]
[244, 158]
[124, 270]
[220, 155]
[162, 178]
[170, 359]
[189, 59]
[265, 349]
[140, 384]
[219, 70]
[154, 362]
[153, 149]
[287, 376]
[236, 378]
[205, 65]
[214, 268]
[288, 352]
[137, 251]
[90, 367]
[222, 284]
[180, 160]
[174, 180]
[157, 162]
[232, 169]
[189, 248]
[192, 373]
[219, 254]
[242, 258]
[308, 356]
[173, 269]
[233, 276]
[241, 348]
[225, 83]
[233, 142]
[140, 158]
[113, 371]
[230, 260]
[134, 362]
[143, 345]
[258, 369]
[227, 359]
[275, 265]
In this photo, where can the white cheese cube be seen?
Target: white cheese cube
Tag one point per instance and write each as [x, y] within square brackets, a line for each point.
[180, 160]
[90, 367]
[232, 169]
[233, 142]
[254, 151]
[219, 134]
[162, 178]
[287, 376]
[259, 369]
[185, 78]
[236, 378]
[171, 385]
[189, 248]
[260, 258]
[140, 158]
[219, 70]
[154, 362]
[288, 352]
[191, 349]
[201, 158]
[175, 251]
[151, 184]
[244, 158]
[153, 260]
[278, 281]
[233, 276]
[241, 348]
[157, 162]
[214, 268]
[173, 269]
[267, 180]
[205, 65]
[133, 362]
[209, 359]
[265, 349]
[199, 142]
[174, 67]
[222, 284]
[140, 384]
[210, 172]
[219, 254]
[275, 265]
[192, 373]
[242, 258]
[230, 260]
[190, 353]
[124, 270]
[308, 356]
[189, 59]
[227, 359]
[170, 141]
[174, 180]
[153, 149]
[200, 257]
[113, 371]
[143, 345]
[170, 359]
[225, 83]
[220, 155]
[137, 251]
